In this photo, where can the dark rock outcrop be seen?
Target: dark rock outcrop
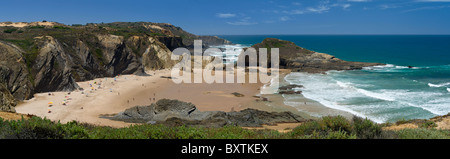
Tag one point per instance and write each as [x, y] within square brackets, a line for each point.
[289, 89]
[171, 43]
[7, 101]
[174, 112]
[302, 60]
[213, 40]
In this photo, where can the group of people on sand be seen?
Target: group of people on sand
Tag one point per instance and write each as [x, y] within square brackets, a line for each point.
[93, 87]
[65, 102]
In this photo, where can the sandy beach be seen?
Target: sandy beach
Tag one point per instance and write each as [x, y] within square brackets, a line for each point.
[106, 96]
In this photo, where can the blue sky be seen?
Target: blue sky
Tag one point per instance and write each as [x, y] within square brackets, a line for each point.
[220, 17]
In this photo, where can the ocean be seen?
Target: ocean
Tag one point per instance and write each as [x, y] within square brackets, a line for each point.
[385, 93]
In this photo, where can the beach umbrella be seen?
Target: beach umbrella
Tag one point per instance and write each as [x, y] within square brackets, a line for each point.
[50, 102]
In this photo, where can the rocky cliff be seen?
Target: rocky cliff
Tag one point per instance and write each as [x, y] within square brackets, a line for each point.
[302, 60]
[53, 57]
[14, 74]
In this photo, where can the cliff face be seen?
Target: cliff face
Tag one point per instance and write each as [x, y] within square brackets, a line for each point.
[52, 67]
[156, 55]
[43, 58]
[14, 75]
[302, 60]
[7, 101]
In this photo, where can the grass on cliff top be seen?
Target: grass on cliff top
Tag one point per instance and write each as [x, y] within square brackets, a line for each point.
[325, 128]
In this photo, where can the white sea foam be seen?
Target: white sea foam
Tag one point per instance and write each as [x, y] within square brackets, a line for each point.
[378, 67]
[375, 95]
[401, 67]
[328, 93]
[365, 92]
[438, 85]
[372, 99]
[272, 87]
[428, 101]
[390, 68]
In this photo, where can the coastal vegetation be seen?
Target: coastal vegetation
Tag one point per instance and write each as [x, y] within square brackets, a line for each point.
[325, 128]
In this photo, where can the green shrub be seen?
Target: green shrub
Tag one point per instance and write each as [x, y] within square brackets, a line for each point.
[230, 132]
[402, 121]
[340, 135]
[306, 128]
[333, 126]
[337, 123]
[327, 128]
[37, 27]
[35, 128]
[428, 124]
[422, 133]
[10, 30]
[366, 129]
[61, 27]
[183, 132]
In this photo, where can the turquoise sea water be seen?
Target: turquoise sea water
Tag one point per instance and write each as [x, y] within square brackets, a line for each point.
[382, 93]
